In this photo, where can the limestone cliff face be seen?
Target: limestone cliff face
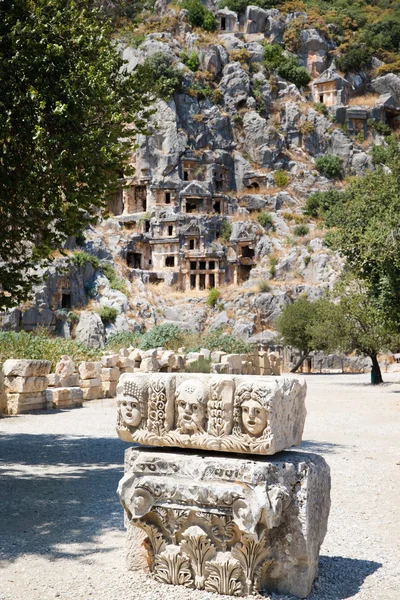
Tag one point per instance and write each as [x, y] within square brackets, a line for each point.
[221, 181]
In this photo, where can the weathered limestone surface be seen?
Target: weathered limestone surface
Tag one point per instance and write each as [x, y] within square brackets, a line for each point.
[3, 397]
[258, 415]
[25, 383]
[64, 390]
[90, 380]
[226, 524]
[26, 368]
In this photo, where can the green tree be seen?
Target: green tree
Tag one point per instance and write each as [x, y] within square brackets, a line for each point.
[295, 328]
[364, 325]
[68, 115]
[366, 232]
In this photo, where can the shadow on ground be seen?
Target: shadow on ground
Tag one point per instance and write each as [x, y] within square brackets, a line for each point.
[57, 492]
[340, 578]
[315, 446]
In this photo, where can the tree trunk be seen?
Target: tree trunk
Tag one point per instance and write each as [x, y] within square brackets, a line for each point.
[299, 362]
[376, 369]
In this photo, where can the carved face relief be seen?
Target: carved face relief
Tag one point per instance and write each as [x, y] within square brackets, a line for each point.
[254, 417]
[190, 403]
[130, 411]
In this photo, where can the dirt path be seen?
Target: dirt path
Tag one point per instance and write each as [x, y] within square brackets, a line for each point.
[61, 525]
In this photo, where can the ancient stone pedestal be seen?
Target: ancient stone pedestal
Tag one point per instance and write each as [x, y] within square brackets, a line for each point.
[228, 522]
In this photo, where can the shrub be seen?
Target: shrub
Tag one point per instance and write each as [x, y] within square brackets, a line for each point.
[265, 219]
[226, 231]
[242, 55]
[291, 71]
[354, 58]
[273, 56]
[301, 230]
[273, 261]
[41, 345]
[81, 258]
[306, 128]
[307, 259]
[199, 15]
[166, 334]
[264, 286]
[216, 96]
[190, 60]
[213, 296]
[217, 340]
[123, 339]
[329, 165]
[107, 314]
[237, 120]
[281, 179]
[321, 108]
[380, 127]
[115, 282]
[167, 78]
[320, 202]
[199, 366]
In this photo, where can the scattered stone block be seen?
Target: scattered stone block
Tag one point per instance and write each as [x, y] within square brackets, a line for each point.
[232, 526]
[67, 397]
[3, 397]
[21, 403]
[88, 383]
[149, 365]
[196, 411]
[25, 385]
[124, 362]
[109, 389]
[53, 380]
[26, 368]
[109, 361]
[65, 367]
[92, 393]
[89, 370]
[110, 374]
[70, 381]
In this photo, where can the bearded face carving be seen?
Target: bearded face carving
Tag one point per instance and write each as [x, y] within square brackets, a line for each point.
[191, 398]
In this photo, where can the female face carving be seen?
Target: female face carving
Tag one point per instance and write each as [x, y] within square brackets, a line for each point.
[254, 417]
[130, 411]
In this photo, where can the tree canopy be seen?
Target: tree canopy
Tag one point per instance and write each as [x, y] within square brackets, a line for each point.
[68, 115]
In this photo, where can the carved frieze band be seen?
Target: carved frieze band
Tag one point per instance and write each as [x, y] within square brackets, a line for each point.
[217, 413]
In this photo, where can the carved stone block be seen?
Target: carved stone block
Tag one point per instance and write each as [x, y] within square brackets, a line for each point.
[252, 415]
[226, 524]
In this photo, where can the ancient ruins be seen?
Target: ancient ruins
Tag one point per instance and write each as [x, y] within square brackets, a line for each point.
[215, 521]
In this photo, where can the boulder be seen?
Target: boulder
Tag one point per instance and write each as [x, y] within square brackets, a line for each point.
[90, 330]
[387, 84]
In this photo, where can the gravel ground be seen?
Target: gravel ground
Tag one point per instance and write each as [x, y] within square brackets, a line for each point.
[61, 525]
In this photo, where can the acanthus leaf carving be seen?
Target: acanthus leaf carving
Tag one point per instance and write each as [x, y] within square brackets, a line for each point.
[199, 549]
[223, 575]
[170, 566]
[251, 551]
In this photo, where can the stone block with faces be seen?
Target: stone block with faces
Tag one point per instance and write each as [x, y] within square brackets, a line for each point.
[227, 413]
[223, 523]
